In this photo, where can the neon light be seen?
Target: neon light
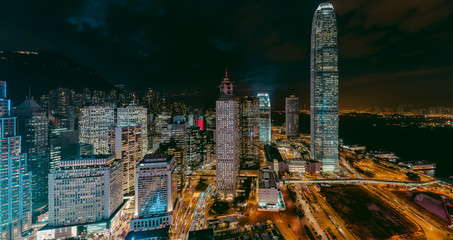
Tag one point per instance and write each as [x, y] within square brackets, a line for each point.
[200, 124]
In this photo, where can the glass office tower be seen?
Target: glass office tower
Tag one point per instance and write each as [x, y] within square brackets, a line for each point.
[249, 130]
[156, 192]
[265, 118]
[324, 88]
[34, 130]
[15, 180]
[292, 116]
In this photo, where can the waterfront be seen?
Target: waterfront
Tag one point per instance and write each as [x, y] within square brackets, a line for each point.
[409, 142]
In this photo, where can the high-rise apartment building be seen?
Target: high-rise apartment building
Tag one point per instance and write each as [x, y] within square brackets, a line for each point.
[249, 131]
[125, 142]
[134, 114]
[15, 180]
[265, 118]
[85, 189]
[94, 123]
[292, 116]
[156, 192]
[324, 88]
[227, 153]
[34, 131]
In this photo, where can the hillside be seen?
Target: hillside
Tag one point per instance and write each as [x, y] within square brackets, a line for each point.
[43, 72]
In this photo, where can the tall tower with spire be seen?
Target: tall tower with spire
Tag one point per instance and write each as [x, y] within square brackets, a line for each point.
[226, 140]
[324, 88]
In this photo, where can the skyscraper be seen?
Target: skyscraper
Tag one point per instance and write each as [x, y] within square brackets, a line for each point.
[125, 141]
[136, 115]
[292, 116]
[249, 131]
[173, 136]
[85, 189]
[94, 123]
[226, 140]
[193, 149]
[265, 118]
[156, 192]
[15, 180]
[34, 131]
[324, 88]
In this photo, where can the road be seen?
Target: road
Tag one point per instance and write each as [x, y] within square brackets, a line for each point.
[430, 230]
[328, 216]
[190, 211]
[309, 213]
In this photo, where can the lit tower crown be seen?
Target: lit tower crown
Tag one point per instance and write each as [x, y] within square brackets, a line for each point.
[226, 87]
[324, 5]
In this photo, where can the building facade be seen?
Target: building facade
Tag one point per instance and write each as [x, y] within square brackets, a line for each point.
[324, 88]
[269, 196]
[125, 141]
[193, 149]
[156, 192]
[227, 153]
[249, 130]
[94, 123]
[173, 141]
[268, 187]
[134, 114]
[15, 180]
[63, 144]
[265, 118]
[292, 116]
[34, 130]
[85, 189]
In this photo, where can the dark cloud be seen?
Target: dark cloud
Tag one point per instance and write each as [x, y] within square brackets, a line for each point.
[408, 15]
[222, 45]
[287, 52]
[355, 45]
[183, 46]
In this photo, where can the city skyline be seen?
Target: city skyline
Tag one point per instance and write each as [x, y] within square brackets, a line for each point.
[138, 150]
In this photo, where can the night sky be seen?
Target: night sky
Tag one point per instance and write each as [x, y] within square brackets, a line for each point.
[391, 51]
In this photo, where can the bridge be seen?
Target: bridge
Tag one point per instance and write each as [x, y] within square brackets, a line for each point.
[203, 173]
[212, 173]
[362, 181]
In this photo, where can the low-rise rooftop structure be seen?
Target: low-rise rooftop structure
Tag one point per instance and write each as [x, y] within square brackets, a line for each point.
[269, 195]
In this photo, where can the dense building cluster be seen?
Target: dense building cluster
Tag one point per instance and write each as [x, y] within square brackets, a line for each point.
[78, 160]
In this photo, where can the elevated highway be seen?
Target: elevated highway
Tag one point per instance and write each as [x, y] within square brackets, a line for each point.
[361, 181]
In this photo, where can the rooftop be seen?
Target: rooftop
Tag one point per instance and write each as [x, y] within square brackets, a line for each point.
[87, 160]
[325, 5]
[266, 179]
[29, 105]
[156, 158]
